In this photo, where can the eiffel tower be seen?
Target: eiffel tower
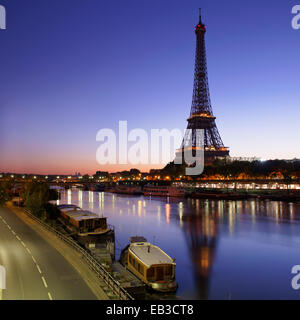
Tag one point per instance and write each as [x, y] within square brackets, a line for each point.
[201, 116]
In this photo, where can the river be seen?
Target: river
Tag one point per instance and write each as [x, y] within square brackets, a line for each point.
[223, 249]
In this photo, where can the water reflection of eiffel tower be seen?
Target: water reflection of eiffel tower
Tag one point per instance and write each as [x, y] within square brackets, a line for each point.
[201, 235]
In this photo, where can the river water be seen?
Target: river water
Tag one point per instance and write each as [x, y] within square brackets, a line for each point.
[223, 249]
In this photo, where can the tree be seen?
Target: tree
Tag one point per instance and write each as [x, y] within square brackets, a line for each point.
[103, 174]
[5, 194]
[52, 211]
[37, 196]
[134, 172]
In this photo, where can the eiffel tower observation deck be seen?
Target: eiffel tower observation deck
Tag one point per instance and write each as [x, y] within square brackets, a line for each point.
[201, 116]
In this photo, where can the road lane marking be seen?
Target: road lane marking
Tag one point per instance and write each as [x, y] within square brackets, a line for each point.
[38, 267]
[45, 283]
[28, 250]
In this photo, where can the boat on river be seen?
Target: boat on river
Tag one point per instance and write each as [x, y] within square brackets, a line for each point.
[150, 264]
[129, 190]
[163, 191]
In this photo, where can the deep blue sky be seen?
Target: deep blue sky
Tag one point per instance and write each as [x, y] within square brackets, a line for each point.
[71, 67]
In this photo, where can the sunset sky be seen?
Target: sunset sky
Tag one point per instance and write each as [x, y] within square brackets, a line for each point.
[72, 67]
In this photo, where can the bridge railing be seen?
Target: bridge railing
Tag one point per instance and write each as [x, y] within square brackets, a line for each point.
[101, 273]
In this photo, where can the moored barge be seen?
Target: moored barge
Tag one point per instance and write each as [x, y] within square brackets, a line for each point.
[150, 264]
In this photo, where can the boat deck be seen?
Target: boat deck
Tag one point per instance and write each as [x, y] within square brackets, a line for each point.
[150, 254]
[128, 280]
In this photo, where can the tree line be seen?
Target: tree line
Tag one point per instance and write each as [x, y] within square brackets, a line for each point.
[222, 169]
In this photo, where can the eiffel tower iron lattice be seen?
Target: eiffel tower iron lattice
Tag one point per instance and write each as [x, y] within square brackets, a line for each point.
[201, 116]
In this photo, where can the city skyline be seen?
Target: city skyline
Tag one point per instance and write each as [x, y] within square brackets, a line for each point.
[89, 65]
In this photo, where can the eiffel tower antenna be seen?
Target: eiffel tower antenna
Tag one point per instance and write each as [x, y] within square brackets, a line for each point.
[200, 18]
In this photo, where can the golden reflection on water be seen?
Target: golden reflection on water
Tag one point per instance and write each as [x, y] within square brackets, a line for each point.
[252, 210]
[197, 206]
[168, 212]
[101, 201]
[231, 218]
[159, 215]
[140, 208]
[113, 201]
[91, 200]
[80, 201]
[291, 211]
[180, 212]
[69, 196]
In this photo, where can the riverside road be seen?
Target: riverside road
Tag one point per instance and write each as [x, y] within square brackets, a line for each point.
[34, 269]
